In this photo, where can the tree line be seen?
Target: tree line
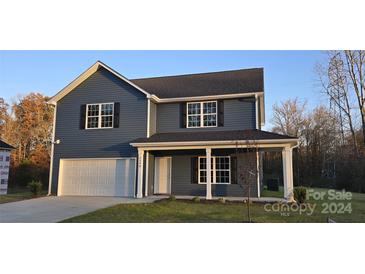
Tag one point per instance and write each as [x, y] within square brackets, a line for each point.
[26, 124]
[331, 136]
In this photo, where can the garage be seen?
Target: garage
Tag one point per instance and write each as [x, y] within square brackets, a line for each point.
[97, 177]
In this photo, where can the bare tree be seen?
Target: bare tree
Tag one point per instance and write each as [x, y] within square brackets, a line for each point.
[247, 169]
[355, 60]
[334, 81]
[290, 118]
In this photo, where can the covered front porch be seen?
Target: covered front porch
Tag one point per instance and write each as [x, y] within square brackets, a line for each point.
[180, 168]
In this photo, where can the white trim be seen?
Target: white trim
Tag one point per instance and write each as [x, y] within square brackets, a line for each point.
[140, 173]
[52, 150]
[99, 115]
[287, 158]
[204, 98]
[147, 171]
[208, 152]
[202, 114]
[60, 169]
[241, 143]
[97, 158]
[262, 110]
[257, 111]
[148, 117]
[86, 74]
[213, 164]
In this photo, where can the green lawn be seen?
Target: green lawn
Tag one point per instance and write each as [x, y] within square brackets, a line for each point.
[18, 194]
[180, 211]
[276, 194]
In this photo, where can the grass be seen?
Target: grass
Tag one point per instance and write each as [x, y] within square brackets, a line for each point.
[18, 194]
[276, 194]
[183, 211]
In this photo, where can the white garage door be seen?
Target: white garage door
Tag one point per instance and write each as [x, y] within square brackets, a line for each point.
[97, 177]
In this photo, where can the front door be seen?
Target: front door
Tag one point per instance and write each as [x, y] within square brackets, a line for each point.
[162, 183]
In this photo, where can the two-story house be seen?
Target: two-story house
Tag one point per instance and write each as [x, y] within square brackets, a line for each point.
[115, 136]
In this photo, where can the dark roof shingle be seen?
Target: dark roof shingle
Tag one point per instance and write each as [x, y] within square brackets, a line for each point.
[232, 135]
[204, 84]
[5, 145]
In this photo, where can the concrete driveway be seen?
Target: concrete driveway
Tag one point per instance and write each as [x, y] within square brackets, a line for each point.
[55, 209]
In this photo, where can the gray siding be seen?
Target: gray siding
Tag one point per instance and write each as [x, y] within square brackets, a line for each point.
[181, 179]
[238, 115]
[101, 87]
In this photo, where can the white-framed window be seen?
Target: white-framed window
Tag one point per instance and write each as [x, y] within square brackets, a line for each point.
[220, 170]
[99, 115]
[202, 114]
[7, 158]
[4, 181]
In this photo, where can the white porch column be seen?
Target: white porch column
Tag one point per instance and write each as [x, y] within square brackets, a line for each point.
[140, 173]
[288, 173]
[209, 168]
[147, 171]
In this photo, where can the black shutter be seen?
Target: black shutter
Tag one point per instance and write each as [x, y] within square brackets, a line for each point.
[220, 113]
[233, 170]
[183, 115]
[82, 116]
[116, 114]
[194, 170]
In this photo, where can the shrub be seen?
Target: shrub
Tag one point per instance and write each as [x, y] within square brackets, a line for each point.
[196, 199]
[222, 200]
[300, 194]
[35, 187]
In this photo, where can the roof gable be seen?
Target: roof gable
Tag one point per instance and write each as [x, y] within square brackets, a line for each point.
[85, 75]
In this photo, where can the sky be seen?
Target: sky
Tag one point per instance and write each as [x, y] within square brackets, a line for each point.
[287, 74]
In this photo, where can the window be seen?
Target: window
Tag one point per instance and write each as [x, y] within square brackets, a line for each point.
[4, 181]
[202, 114]
[99, 115]
[7, 159]
[220, 171]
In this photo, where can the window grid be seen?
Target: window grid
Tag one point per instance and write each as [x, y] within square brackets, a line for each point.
[99, 116]
[220, 170]
[201, 114]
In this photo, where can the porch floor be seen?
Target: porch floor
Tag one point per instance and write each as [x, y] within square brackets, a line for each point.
[239, 199]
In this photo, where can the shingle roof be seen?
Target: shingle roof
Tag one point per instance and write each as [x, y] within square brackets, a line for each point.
[235, 135]
[203, 84]
[5, 145]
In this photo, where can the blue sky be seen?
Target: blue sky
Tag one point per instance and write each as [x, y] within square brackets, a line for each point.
[288, 74]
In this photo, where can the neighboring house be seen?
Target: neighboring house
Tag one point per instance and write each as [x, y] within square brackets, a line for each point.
[119, 137]
[5, 150]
